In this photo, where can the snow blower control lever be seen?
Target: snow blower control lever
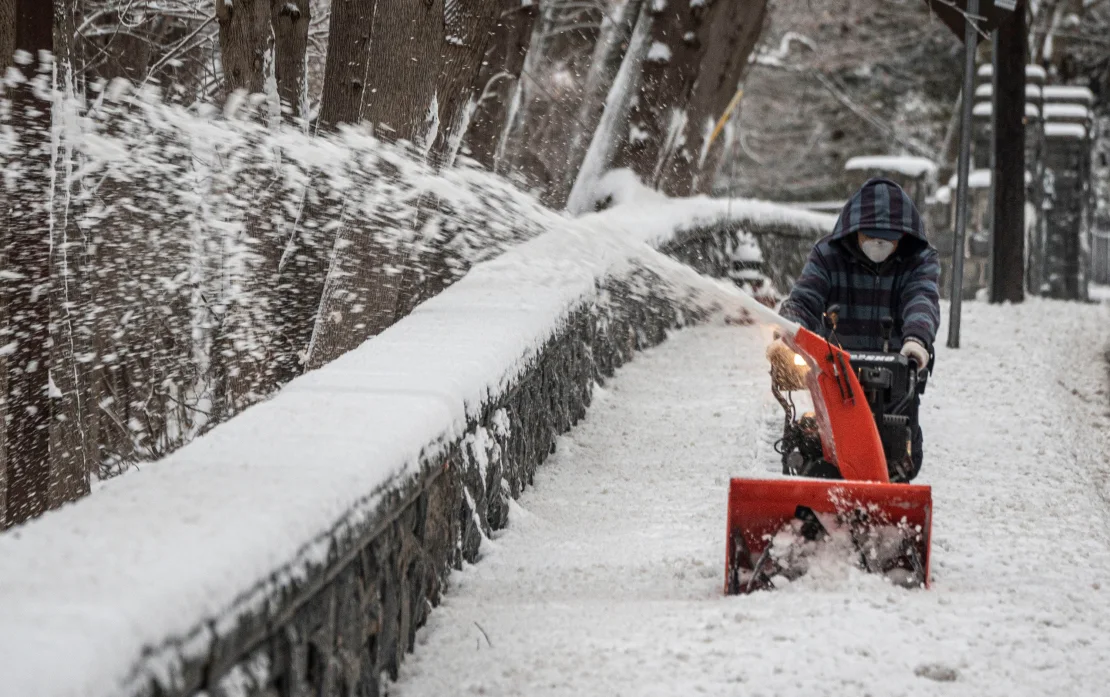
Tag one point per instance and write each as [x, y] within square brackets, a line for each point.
[839, 461]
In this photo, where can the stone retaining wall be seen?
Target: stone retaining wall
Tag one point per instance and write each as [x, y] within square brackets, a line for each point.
[339, 618]
[344, 628]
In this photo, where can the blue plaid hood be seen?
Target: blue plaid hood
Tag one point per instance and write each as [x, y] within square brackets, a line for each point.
[880, 204]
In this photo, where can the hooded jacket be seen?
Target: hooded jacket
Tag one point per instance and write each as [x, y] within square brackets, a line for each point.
[903, 287]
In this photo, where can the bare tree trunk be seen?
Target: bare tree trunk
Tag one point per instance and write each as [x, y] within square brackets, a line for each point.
[7, 32]
[1049, 14]
[384, 59]
[732, 30]
[609, 54]
[544, 123]
[406, 50]
[467, 35]
[399, 99]
[347, 63]
[246, 43]
[515, 158]
[612, 132]
[70, 448]
[468, 30]
[423, 63]
[5, 328]
[290, 20]
[659, 116]
[7, 51]
[29, 270]
[497, 80]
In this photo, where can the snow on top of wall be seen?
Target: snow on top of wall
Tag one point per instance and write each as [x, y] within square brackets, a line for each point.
[101, 594]
[1065, 130]
[983, 109]
[1031, 71]
[1065, 111]
[1035, 71]
[987, 90]
[1068, 93]
[903, 164]
[627, 193]
[977, 179]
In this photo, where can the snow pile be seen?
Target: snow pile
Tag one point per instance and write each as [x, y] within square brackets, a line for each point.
[633, 201]
[104, 593]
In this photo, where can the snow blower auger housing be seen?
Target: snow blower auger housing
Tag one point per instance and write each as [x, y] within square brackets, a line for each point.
[838, 490]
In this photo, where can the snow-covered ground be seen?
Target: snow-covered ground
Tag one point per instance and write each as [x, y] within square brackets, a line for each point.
[608, 579]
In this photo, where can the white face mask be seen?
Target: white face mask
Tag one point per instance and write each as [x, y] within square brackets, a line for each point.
[877, 250]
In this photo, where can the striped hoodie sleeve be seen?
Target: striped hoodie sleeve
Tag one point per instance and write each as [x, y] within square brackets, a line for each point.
[806, 304]
[921, 299]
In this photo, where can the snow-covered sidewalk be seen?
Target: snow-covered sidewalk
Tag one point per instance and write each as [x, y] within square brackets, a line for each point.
[608, 580]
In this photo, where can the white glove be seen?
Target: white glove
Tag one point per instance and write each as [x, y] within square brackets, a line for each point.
[916, 351]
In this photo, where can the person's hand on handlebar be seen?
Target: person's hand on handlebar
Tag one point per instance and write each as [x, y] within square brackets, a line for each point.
[916, 352]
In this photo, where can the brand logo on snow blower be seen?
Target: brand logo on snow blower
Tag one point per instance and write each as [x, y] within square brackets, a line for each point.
[877, 357]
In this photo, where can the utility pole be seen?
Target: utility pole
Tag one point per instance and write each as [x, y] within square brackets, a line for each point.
[1008, 175]
[993, 165]
[27, 281]
[971, 40]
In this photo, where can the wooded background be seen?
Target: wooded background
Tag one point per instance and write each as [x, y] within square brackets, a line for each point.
[211, 197]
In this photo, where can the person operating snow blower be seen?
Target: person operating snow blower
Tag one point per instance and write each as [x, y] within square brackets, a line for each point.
[872, 286]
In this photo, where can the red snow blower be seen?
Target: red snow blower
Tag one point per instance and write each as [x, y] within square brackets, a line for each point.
[840, 495]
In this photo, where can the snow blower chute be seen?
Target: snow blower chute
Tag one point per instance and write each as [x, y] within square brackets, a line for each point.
[840, 493]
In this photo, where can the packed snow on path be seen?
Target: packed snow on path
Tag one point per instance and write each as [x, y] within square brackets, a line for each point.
[608, 580]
